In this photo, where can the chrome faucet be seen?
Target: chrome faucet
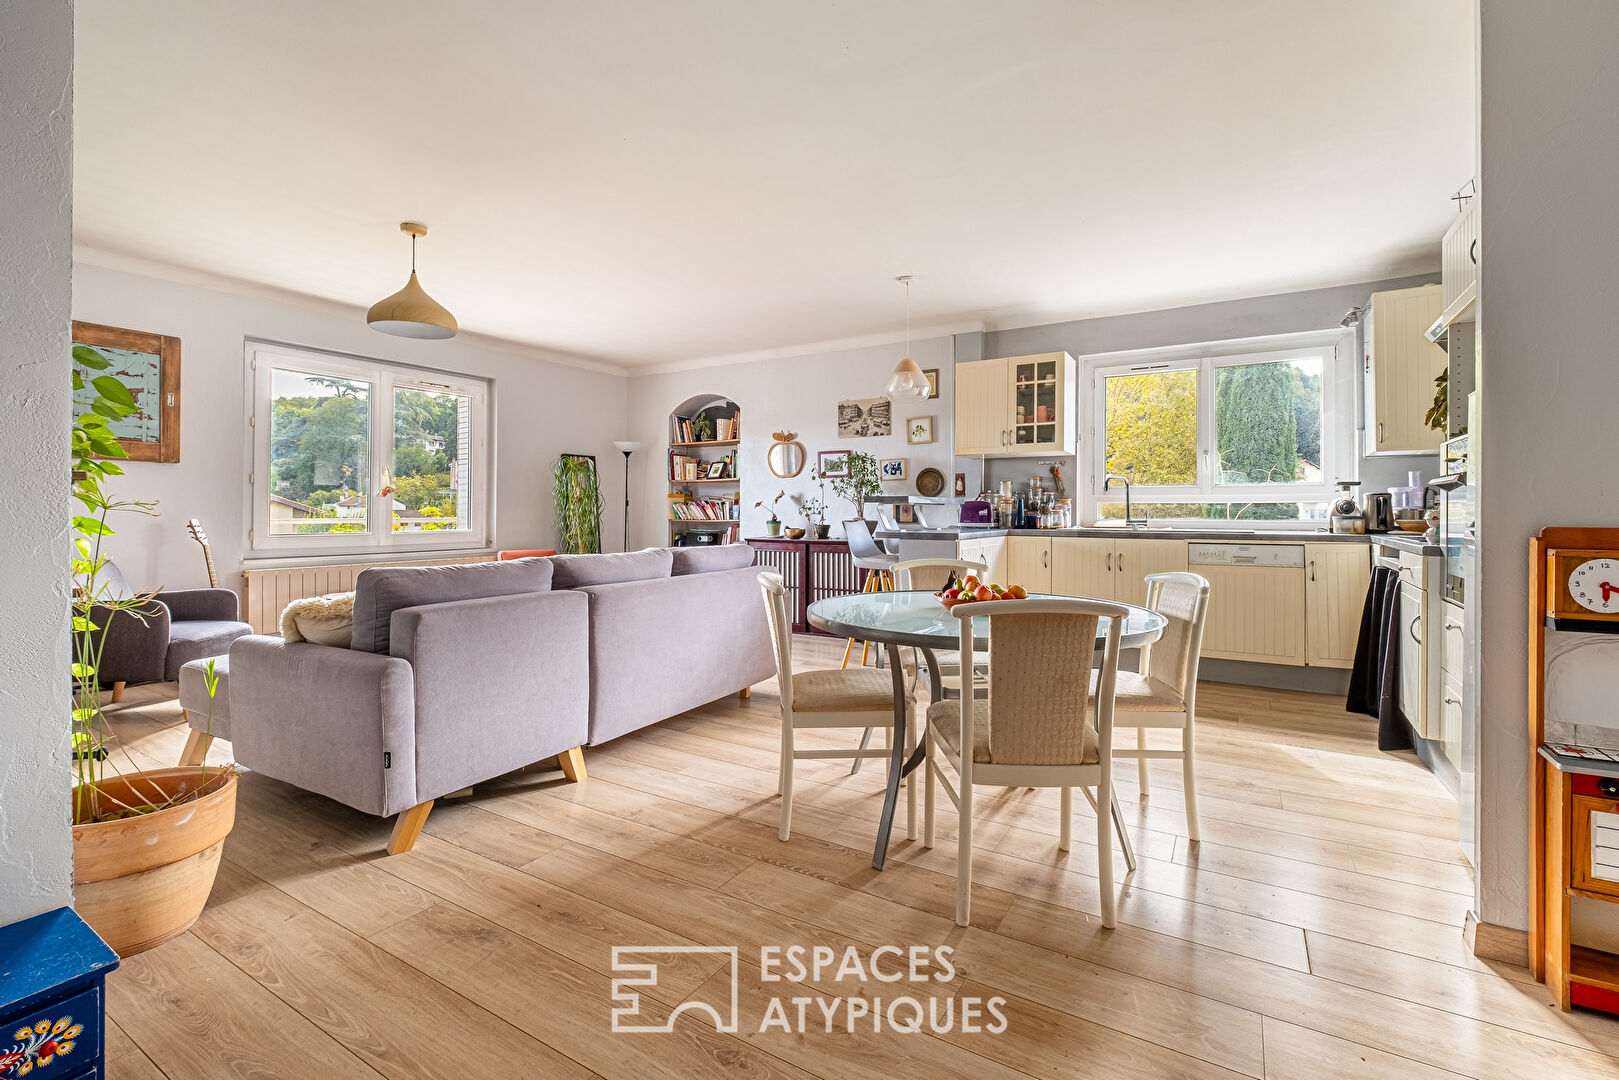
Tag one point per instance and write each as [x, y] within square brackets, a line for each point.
[1107, 482]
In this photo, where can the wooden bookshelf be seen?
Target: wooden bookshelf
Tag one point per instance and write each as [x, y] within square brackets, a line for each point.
[726, 416]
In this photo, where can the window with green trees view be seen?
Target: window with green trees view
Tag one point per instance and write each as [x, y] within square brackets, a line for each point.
[1224, 437]
[356, 454]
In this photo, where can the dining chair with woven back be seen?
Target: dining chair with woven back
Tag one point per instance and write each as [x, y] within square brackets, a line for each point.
[1037, 726]
[833, 698]
[1164, 693]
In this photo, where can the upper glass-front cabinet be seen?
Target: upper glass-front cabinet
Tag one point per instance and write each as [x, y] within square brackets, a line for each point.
[1036, 381]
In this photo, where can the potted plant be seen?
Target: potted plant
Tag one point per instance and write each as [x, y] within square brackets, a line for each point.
[773, 526]
[860, 482]
[814, 514]
[578, 504]
[146, 843]
[702, 428]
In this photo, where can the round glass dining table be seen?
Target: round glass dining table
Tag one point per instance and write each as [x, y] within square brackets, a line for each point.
[916, 619]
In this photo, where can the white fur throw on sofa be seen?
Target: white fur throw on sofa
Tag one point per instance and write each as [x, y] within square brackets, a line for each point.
[320, 620]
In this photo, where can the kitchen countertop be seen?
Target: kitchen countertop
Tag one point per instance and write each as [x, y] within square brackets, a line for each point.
[1235, 536]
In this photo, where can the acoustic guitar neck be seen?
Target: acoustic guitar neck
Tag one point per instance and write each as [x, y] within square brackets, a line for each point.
[194, 527]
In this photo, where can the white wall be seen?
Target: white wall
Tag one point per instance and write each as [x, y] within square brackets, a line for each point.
[36, 168]
[1549, 381]
[542, 409]
[798, 393]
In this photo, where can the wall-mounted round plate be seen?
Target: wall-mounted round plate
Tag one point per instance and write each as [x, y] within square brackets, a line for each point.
[929, 482]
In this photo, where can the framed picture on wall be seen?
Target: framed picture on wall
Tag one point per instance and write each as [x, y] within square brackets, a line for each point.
[149, 365]
[932, 374]
[919, 429]
[832, 463]
[892, 468]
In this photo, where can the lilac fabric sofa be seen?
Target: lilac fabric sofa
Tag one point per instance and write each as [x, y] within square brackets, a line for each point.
[458, 674]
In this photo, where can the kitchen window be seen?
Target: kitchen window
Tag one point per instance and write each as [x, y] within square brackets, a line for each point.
[353, 455]
[1238, 437]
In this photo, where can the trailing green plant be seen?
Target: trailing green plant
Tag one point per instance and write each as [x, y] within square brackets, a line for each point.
[1438, 415]
[578, 505]
[702, 428]
[95, 452]
[861, 482]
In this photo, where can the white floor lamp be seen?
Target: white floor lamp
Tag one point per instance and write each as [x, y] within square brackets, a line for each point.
[627, 448]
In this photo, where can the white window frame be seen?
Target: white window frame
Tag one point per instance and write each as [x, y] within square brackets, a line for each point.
[383, 377]
[1337, 422]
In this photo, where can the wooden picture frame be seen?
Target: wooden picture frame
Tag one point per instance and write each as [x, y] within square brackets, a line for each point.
[831, 463]
[905, 513]
[919, 429]
[150, 365]
[932, 374]
[893, 468]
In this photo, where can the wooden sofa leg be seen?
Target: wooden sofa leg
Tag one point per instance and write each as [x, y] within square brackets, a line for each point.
[117, 692]
[407, 827]
[573, 763]
[745, 693]
[197, 744]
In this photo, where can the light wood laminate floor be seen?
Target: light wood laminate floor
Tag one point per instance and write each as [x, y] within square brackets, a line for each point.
[1315, 932]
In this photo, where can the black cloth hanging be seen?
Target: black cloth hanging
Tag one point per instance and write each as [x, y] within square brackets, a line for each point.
[1374, 683]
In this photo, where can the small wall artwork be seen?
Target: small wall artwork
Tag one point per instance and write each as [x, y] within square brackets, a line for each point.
[892, 468]
[932, 375]
[149, 365]
[829, 463]
[919, 429]
[865, 418]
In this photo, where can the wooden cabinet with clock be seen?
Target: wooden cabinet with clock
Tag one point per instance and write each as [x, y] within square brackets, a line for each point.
[1574, 786]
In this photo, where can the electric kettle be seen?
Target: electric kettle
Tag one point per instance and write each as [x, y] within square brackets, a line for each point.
[1379, 512]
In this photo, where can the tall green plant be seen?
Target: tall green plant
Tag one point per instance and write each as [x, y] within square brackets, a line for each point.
[94, 445]
[578, 505]
[861, 482]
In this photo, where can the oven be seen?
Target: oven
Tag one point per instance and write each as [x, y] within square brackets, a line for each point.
[1456, 524]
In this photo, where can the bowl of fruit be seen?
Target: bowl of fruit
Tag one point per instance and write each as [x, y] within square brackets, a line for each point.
[972, 591]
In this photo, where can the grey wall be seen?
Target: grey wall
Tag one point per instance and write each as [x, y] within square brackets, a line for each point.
[542, 408]
[1285, 313]
[36, 227]
[1549, 382]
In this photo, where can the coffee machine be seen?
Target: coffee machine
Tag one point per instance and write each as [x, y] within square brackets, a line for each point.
[1346, 514]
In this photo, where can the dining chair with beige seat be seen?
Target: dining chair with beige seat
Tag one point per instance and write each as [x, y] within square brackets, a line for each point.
[833, 698]
[1031, 729]
[1164, 693]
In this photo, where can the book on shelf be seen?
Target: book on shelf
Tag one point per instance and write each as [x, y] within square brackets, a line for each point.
[726, 428]
[683, 507]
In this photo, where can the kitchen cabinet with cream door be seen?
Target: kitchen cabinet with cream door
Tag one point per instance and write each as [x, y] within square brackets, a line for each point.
[1017, 405]
[1336, 578]
[1400, 367]
[989, 550]
[1028, 563]
[1133, 560]
[1110, 569]
[1083, 566]
[982, 389]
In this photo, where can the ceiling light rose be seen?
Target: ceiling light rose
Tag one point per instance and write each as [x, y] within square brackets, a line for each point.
[908, 380]
[410, 312]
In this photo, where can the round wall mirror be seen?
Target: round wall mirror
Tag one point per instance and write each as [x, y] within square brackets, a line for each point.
[785, 457]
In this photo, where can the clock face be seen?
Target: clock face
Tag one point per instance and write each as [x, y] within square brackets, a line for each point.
[1594, 585]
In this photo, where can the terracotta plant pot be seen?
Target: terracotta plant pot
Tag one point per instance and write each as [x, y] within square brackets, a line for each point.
[141, 880]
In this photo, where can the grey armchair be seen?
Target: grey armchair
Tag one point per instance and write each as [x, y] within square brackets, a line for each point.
[174, 628]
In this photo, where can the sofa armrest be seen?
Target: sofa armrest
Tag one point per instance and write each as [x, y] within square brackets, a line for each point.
[136, 644]
[500, 683]
[337, 722]
[219, 605]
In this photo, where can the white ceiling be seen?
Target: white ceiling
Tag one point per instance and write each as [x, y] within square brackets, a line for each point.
[646, 182]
